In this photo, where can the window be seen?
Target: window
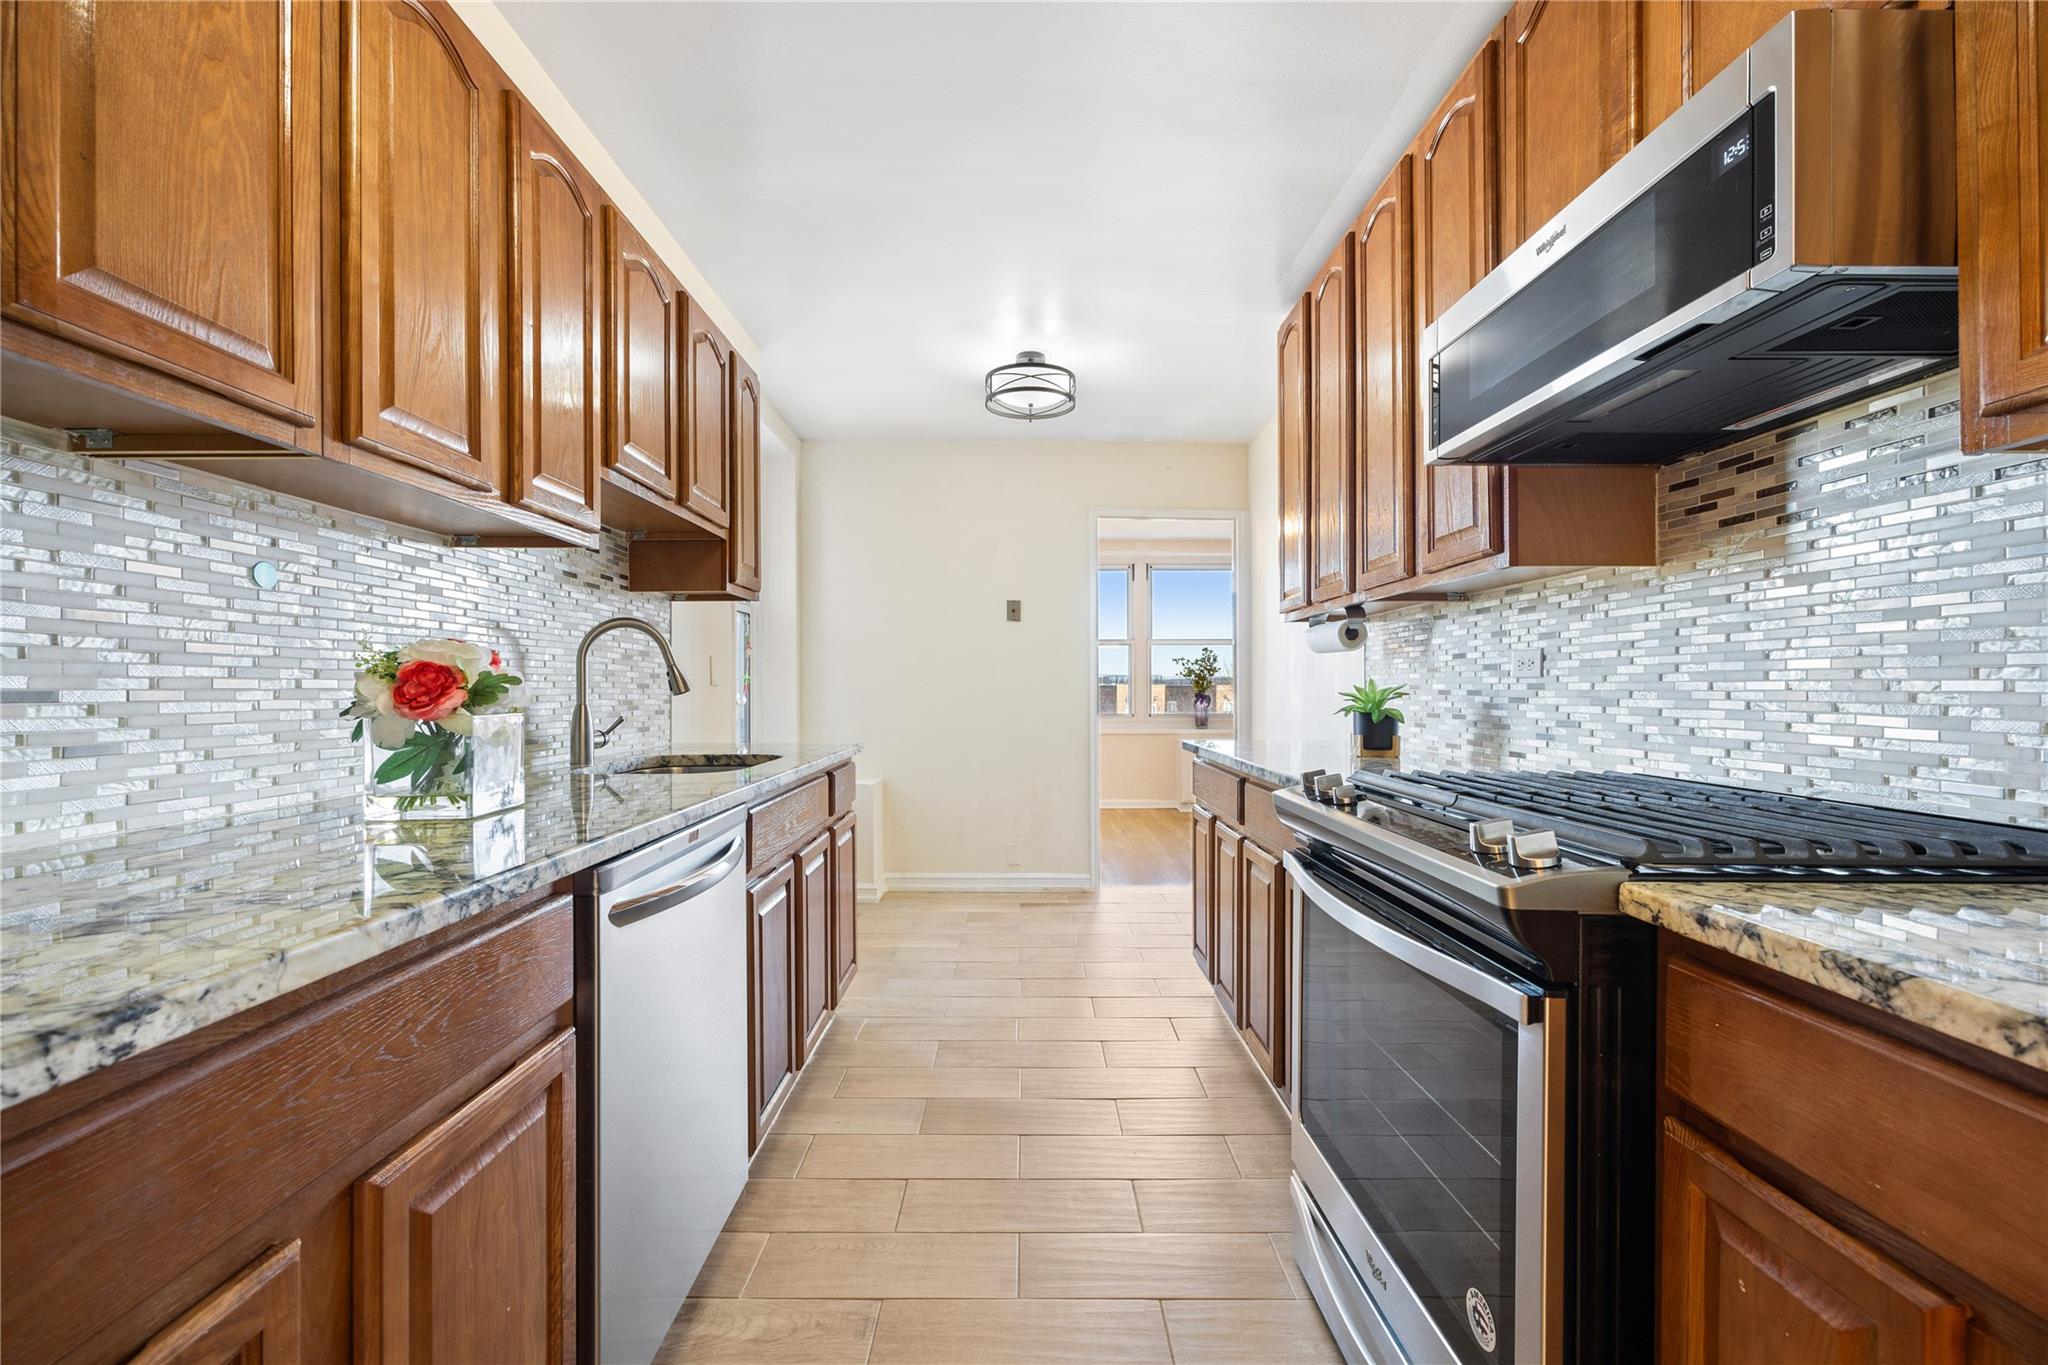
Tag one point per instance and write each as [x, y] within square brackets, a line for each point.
[1154, 614]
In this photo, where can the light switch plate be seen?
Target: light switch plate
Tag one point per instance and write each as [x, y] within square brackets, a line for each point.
[1525, 663]
[1015, 611]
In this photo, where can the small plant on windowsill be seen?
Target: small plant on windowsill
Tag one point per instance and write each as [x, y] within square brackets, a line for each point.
[1201, 672]
[1375, 723]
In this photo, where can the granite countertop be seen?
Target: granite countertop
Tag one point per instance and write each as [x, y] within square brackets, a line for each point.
[1969, 962]
[114, 945]
[1277, 763]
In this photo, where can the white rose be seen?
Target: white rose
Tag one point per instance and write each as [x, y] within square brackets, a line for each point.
[458, 721]
[375, 691]
[391, 730]
[457, 654]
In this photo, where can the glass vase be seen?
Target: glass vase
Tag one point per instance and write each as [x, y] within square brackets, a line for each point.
[441, 775]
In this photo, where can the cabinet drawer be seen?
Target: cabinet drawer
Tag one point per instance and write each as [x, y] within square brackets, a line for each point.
[1262, 823]
[777, 826]
[1222, 792]
[1948, 1158]
[842, 788]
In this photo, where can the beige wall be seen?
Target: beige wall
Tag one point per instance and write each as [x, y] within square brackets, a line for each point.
[1141, 768]
[980, 728]
[1294, 692]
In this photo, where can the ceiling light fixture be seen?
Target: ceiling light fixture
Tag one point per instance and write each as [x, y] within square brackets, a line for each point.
[1030, 388]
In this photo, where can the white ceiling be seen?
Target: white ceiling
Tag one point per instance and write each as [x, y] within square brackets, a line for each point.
[895, 197]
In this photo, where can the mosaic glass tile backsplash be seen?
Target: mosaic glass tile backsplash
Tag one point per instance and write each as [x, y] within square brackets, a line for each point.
[1849, 607]
[146, 678]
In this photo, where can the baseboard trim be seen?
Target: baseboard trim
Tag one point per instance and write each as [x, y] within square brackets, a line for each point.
[990, 881]
[867, 893]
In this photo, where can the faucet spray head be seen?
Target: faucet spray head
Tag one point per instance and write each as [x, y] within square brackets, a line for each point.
[677, 683]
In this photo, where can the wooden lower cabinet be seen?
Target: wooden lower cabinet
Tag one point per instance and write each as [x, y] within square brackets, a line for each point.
[813, 942]
[253, 1319]
[379, 1167]
[1751, 1275]
[1201, 882]
[845, 904]
[1263, 900]
[1227, 873]
[465, 1240]
[771, 939]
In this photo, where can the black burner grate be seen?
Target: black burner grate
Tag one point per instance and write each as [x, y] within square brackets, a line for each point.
[1672, 823]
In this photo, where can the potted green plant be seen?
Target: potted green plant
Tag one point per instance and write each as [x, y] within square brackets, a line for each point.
[1375, 723]
[1201, 672]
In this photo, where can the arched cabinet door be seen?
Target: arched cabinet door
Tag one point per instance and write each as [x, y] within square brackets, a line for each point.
[1383, 318]
[648, 313]
[424, 253]
[707, 488]
[1292, 349]
[743, 541]
[558, 286]
[1458, 514]
[1333, 358]
[166, 197]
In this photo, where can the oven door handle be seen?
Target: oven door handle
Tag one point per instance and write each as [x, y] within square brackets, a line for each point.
[1511, 1002]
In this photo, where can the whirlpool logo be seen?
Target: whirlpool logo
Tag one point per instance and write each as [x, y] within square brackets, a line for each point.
[1556, 235]
[1479, 1317]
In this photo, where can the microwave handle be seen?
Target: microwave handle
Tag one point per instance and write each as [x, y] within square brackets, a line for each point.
[1519, 1006]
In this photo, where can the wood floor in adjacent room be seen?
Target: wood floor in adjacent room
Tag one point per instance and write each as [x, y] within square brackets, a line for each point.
[1029, 1136]
[1145, 848]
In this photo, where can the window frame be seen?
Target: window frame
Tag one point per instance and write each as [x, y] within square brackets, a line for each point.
[1138, 626]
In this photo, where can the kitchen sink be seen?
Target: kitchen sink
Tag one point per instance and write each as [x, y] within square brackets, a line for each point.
[691, 763]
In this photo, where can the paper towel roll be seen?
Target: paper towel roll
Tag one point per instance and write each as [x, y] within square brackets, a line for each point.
[1336, 637]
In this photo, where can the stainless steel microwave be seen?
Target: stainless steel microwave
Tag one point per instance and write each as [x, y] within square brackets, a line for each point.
[1782, 242]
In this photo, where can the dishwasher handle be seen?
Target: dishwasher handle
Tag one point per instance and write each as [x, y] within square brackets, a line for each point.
[688, 889]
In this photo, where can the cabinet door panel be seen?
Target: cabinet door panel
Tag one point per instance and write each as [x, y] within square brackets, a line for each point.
[771, 917]
[1333, 359]
[1265, 959]
[1293, 440]
[845, 905]
[465, 1241]
[253, 1319]
[2002, 145]
[558, 258]
[648, 314]
[707, 489]
[1748, 1274]
[1568, 104]
[743, 544]
[1204, 896]
[1458, 511]
[167, 188]
[1227, 890]
[1383, 314]
[424, 261]
[1719, 31]
[813, 941]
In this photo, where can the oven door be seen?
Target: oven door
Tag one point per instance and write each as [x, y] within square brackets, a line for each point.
[1428, 1125]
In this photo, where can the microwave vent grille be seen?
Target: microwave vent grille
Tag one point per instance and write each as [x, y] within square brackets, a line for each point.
[1910, 322]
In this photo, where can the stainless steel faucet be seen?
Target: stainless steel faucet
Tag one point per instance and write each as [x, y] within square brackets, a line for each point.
[580, 743]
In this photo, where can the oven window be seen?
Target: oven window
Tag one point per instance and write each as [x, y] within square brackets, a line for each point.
[1408, 1089]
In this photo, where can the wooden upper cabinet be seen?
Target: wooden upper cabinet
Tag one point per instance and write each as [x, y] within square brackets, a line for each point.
[2001, 148]
[166, 195]
[1333, 357]
[466, 1239]
[1458, 512]
[558, 372]
[1749, 1274]
[707, 485]
[743, 537]
[1293, 435]
[1569, 104]
[648, 316]
[424, 254]
[253, 1319]
[1382, 311]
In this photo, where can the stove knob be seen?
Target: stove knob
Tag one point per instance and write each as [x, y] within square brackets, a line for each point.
[1534, 851]
[1489, 838]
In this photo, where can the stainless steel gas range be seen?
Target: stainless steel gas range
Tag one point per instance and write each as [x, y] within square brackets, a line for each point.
[1473, 1036]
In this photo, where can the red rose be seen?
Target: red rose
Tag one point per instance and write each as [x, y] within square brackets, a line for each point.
[426, 690]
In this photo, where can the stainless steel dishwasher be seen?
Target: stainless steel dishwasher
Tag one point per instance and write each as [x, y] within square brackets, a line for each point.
[661, 1008]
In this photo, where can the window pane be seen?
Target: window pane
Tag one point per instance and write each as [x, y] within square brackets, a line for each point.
[1113, 598]
[1174, 695]
[1191, 604]
[1113, 680]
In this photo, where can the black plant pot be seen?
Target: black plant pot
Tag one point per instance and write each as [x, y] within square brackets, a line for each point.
[1374, 736]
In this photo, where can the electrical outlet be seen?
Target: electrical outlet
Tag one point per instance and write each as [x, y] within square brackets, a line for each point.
[1016, 854]
[1525, 663]
[1015, 611]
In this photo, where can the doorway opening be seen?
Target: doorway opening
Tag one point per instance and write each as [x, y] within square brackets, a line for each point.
[1166, 668]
